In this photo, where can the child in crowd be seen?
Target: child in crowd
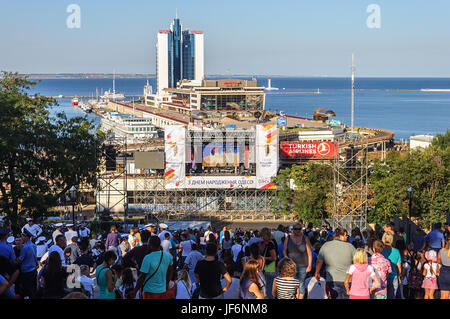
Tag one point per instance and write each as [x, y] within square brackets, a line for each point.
[430, 272]
[285, 286]
[250, 286]
[128, 283]
[415, 278]
[382, 268]
[360, 272]
[87, 282]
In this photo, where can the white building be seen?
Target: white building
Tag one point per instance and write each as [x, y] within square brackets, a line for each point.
[422, 141]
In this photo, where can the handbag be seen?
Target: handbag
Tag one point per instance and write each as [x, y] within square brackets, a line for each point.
[271, 267]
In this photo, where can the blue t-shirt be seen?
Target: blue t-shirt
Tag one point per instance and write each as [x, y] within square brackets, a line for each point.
[7, 251]
[28, 257]
[157, 284]
[418, 242]
[436, 239]
[393, 255]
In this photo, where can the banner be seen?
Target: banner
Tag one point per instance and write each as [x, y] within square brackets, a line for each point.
[174, 148]
[308, 150]
[220, 182]
[266, 155]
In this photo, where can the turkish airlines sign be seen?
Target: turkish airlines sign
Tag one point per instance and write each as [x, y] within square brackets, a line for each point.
[308, 150]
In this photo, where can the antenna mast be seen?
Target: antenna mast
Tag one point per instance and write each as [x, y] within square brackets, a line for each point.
[353, 90]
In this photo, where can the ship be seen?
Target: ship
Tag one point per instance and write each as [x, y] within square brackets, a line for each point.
[108, 95]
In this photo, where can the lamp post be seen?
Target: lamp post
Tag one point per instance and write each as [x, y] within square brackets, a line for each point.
[410, 196]
[73, 197]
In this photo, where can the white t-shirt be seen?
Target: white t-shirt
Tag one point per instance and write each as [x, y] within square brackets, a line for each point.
[187, 247]
[122, 290]
[60, 252]
[166, 245]
[41, 250]
[162, 234]
[69, 234]
[428, 268]
[316, 289]
[88, 284]
[236, 249]
[182, 291]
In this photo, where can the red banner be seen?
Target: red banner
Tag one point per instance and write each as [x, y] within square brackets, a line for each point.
[308, 150]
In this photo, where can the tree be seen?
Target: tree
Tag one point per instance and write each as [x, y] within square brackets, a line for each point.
[305, 191]
[41, 156]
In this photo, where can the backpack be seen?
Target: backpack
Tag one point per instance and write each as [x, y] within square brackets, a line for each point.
[196, 292]
[415, 278]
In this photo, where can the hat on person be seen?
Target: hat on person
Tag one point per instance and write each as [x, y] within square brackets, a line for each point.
[40, 239]
[431, 256]
[49, 242]
[58, 224]
[4, 231]
[99, 237]
[69, 225]
[29, 219]
[10, 239]
[163, 226]
[124, 235]
[149, 225]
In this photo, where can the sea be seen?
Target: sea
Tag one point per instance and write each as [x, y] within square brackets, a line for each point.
[396, 104]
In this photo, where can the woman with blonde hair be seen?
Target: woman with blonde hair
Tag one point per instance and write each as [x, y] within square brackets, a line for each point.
[393, 255]
[184, 285]
[444, 273]
[360, 272]
[249, 286]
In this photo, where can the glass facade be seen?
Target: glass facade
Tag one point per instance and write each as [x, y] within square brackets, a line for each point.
[175, 53]
[230, 102]
[188, 56]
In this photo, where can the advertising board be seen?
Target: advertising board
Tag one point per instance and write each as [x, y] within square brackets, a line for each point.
[308, 150]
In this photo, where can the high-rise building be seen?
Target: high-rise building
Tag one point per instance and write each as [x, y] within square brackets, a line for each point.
[179, 56]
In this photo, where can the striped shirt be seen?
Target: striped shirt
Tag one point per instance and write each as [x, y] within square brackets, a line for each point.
[287, 288]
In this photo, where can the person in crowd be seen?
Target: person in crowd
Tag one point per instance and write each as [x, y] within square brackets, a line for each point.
[250, 287]
[254, 253]
[360, 272]
[166, 245]
[136, 255]
[444, 272]
[279, 235]
[57, 231]
[4, 286]
[393, 255]
[10, 272]
[59, 246]
[163, 229]
[415, 278]
[133, 238]
[337, 255]
[184, 285]
[124, 245]
[100, 252]
[382, 268]
[18, 244]
[436, 238]
[191, 261]
[298, 248]
[113, 239]
[84, 232]
[75, 251]
[222, 235]
[208, 273]
[86, 281]
[28, 266]
[70, 233]
[270, 254]
[286, 285]
[418, 241]
[233, 291]
[227, 241]
[106, 277]
[128, 284]
[430, 273]
[85, 257]
[6, 250]
[185, 249]
[34, 229]
[53, 278]
[155, 272]
[238, 252]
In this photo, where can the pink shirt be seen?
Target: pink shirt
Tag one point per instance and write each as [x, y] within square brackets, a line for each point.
[361, 274]
[382, 268]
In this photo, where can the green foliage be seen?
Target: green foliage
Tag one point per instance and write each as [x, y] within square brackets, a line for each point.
[41, 156]
[305, 191]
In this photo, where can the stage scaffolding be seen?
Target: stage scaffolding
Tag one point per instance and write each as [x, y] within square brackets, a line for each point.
[122, 191]
[350, 198]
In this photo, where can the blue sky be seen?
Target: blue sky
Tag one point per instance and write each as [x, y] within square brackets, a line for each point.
[283, 37]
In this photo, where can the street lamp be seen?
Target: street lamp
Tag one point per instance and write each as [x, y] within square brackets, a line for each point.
[410, 196]
[73, 197]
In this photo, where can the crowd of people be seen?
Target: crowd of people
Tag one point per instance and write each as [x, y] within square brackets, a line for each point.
[295, 262]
